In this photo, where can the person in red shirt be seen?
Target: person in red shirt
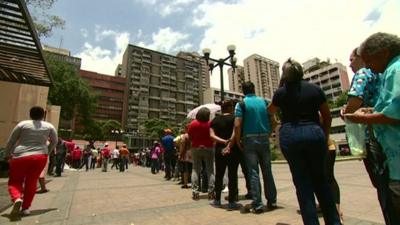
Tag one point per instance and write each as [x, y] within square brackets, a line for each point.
[105, 156]
[202, 150]
[76, 157]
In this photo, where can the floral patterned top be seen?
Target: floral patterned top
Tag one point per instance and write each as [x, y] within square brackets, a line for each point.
[365, 85]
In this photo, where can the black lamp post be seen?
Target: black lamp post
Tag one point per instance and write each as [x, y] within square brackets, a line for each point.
[220, 63]
[117, 133]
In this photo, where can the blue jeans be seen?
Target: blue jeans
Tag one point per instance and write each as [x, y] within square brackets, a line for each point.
[304, 146]
[257, 152]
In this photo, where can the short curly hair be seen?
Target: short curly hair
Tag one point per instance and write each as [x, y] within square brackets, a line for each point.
[379, 42]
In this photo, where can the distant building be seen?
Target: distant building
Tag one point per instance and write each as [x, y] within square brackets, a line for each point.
[264, 73]
[212, 95]
[333, 80]
[63, 55]
[236, 79]
[118, 71]
[159, 86]
[111, 91]
[204, 79]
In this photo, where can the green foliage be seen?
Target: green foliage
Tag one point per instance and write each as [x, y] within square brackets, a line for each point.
[44, 22]
[155, 127]
[339, 101]
[98, 130]
[273, 149]
[70, 91]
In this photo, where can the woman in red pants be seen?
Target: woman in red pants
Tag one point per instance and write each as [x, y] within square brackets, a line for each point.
[27, 152]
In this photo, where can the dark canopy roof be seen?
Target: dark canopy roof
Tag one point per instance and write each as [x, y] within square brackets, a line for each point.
[21, 58]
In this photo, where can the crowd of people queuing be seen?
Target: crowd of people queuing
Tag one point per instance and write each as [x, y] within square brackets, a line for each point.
[200, 155]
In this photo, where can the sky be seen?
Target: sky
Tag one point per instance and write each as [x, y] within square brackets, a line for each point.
[98, 31]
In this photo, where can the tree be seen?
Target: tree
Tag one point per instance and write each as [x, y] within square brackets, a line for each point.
[44, 22]
[155, 127]
[342, 99]
[339, 101]
[70, 91]
[100, 130]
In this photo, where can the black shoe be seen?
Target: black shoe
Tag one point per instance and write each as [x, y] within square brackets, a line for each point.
[258, 210]
[271, 206]
[195, 196]
[185, 187]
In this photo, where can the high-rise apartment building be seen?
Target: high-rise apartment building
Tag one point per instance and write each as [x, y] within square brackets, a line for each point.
[264, 73]
[236, 79]
[204, 79]
[159, 86]
[333, 80]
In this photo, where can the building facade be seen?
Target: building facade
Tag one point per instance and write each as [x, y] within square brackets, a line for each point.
[333, 80]
[212, 95]
[159, 86]
[236, 79]
[111, 91]
[264, 73]
[61, 54]
[204, 79]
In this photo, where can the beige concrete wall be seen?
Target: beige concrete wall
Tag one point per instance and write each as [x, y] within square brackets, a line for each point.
[53, 115]
[16, 100]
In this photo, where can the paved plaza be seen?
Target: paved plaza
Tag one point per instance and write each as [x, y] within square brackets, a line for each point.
[141, 198]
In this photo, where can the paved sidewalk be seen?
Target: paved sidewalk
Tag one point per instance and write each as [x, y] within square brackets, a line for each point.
[141, 198]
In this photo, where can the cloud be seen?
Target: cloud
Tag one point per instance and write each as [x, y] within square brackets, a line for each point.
[84, 32]
[100, 59]
[168, 40]
[167, 8]
[300, 29]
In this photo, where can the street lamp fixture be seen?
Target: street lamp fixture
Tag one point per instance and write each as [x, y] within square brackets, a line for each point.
[116, 133]
[212, 63]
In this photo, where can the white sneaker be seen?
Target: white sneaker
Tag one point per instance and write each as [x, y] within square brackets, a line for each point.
[226, 190]
[16, 207]
[25, 212]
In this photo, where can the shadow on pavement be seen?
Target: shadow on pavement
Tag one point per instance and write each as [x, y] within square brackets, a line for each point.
[33, 213]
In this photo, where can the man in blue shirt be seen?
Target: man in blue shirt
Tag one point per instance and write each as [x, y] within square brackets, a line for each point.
[167, 143]
[381, 54]
[252, 129]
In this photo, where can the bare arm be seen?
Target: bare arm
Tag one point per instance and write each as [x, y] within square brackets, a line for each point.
[238, 131]
[376, 118]
[272, 109]
[215, 138]
[353, 104]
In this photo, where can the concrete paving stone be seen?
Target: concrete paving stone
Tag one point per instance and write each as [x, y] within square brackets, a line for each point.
[137, 197]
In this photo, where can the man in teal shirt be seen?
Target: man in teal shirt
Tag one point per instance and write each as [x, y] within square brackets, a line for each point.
[381, 54]
[252, 130]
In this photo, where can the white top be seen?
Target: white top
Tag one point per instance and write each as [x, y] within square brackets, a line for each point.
[115, 154]
[29, 137]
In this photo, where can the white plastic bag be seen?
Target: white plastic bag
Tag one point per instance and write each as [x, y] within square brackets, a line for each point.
[355, 133]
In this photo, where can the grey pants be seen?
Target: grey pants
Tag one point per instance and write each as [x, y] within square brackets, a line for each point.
[198, 155]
